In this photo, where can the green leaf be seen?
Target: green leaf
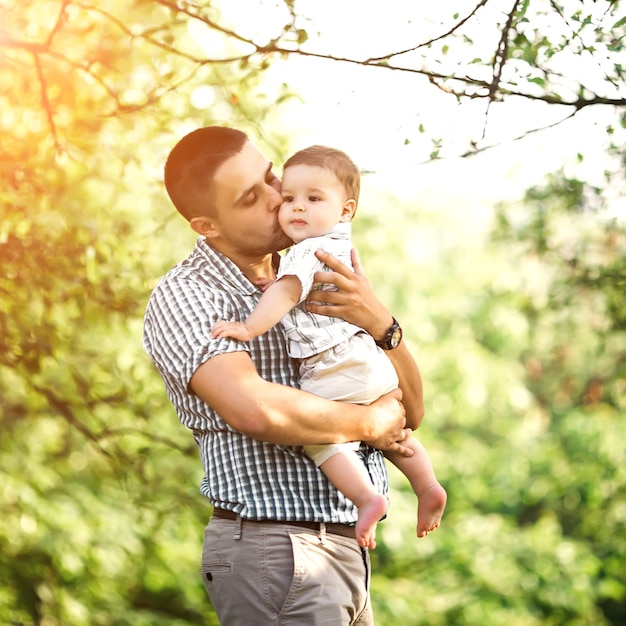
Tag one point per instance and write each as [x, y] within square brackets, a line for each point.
[620, 23]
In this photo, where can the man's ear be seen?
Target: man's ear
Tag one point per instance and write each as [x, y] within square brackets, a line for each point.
[348, 211]
[204, 225]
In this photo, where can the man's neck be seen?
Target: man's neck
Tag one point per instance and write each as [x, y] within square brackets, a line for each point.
[261, 268]
[253, 267]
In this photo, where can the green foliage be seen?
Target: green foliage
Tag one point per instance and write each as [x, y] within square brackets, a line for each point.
[521, 342]
[522, 347]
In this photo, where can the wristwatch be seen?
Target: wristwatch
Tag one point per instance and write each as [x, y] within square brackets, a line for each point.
[393, 337]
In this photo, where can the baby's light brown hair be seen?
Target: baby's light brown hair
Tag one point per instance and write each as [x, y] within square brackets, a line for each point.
[333, 160]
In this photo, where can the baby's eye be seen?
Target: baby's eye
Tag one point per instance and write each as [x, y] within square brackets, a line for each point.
[287, 198]
[313, 198]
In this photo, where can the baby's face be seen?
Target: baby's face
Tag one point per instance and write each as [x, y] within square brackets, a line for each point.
[314, 201]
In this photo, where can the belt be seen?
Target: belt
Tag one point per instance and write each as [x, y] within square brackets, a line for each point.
[334, 529]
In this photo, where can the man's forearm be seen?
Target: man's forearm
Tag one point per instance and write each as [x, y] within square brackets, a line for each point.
[410, 383]
[279, 414]
[284, 415]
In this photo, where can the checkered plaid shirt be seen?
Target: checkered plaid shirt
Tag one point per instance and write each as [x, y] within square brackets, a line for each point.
[254, 479]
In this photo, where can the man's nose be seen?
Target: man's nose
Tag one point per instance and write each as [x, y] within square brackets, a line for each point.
[276, 199]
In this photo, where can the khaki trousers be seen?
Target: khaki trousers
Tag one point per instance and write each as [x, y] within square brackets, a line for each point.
[274, 573]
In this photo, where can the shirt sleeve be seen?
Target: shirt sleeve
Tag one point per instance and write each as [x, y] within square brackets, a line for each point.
[301, 262]
[177, 329]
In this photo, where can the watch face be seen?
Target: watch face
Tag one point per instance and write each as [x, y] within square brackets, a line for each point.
[395, 338]
[392, 338]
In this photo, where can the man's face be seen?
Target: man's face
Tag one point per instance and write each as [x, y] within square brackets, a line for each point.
[246, 199]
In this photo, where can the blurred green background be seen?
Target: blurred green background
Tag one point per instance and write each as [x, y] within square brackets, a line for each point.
[519, 330]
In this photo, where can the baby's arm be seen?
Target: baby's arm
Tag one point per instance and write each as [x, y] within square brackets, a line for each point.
[279, 298]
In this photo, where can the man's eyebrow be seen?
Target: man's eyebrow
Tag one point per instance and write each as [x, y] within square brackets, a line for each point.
[250, 189]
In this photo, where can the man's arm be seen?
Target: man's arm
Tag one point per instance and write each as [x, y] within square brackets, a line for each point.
[356, 302]
[410, 383]
[279, 414]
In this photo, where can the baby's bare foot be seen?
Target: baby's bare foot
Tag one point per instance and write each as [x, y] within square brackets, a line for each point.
[370, 513]
[431, 504]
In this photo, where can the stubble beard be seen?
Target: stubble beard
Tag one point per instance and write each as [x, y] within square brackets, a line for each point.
[280, 240]
[275, 243]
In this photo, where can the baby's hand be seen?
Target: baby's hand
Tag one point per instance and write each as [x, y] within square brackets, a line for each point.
[263, 283]
[234, 330]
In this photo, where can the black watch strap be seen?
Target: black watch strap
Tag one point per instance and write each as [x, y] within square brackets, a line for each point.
[393, 337]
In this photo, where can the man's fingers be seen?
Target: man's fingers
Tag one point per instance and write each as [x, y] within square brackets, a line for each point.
[403, 450]
[332, 278]
[335, 264]
[356, 263]
[326, 297]
[405, 434]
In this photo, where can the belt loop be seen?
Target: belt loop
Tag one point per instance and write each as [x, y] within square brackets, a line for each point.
[237, 534]
[322, 534]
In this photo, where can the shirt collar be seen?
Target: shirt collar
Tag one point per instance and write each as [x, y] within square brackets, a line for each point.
[223, 268]
[341, 230]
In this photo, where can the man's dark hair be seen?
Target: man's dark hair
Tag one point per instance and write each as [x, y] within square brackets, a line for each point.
[191, 165]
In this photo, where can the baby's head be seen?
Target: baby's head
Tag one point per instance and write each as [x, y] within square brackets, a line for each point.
[333, 160]
[320, 189]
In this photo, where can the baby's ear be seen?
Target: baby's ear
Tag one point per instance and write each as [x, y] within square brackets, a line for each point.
[348, 211]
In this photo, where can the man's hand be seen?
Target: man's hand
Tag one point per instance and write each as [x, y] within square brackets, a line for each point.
[355, 301]
[399, 446]
[390, 421]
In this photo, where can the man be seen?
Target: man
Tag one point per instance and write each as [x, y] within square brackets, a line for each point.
[280, 547]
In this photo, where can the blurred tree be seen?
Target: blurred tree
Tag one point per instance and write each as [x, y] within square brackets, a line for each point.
[574, 360]
[522, 345]
[521, 341]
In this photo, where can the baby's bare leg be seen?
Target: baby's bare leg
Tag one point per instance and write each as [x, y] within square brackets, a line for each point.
[431, 495]
[349, 475]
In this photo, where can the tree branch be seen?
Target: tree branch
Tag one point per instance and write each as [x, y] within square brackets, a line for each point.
[532, 131]
[175, 6]
[499, 61]
[576, 34]
[45, 102]
[66, 412]
[461, 86]
[452, 30]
